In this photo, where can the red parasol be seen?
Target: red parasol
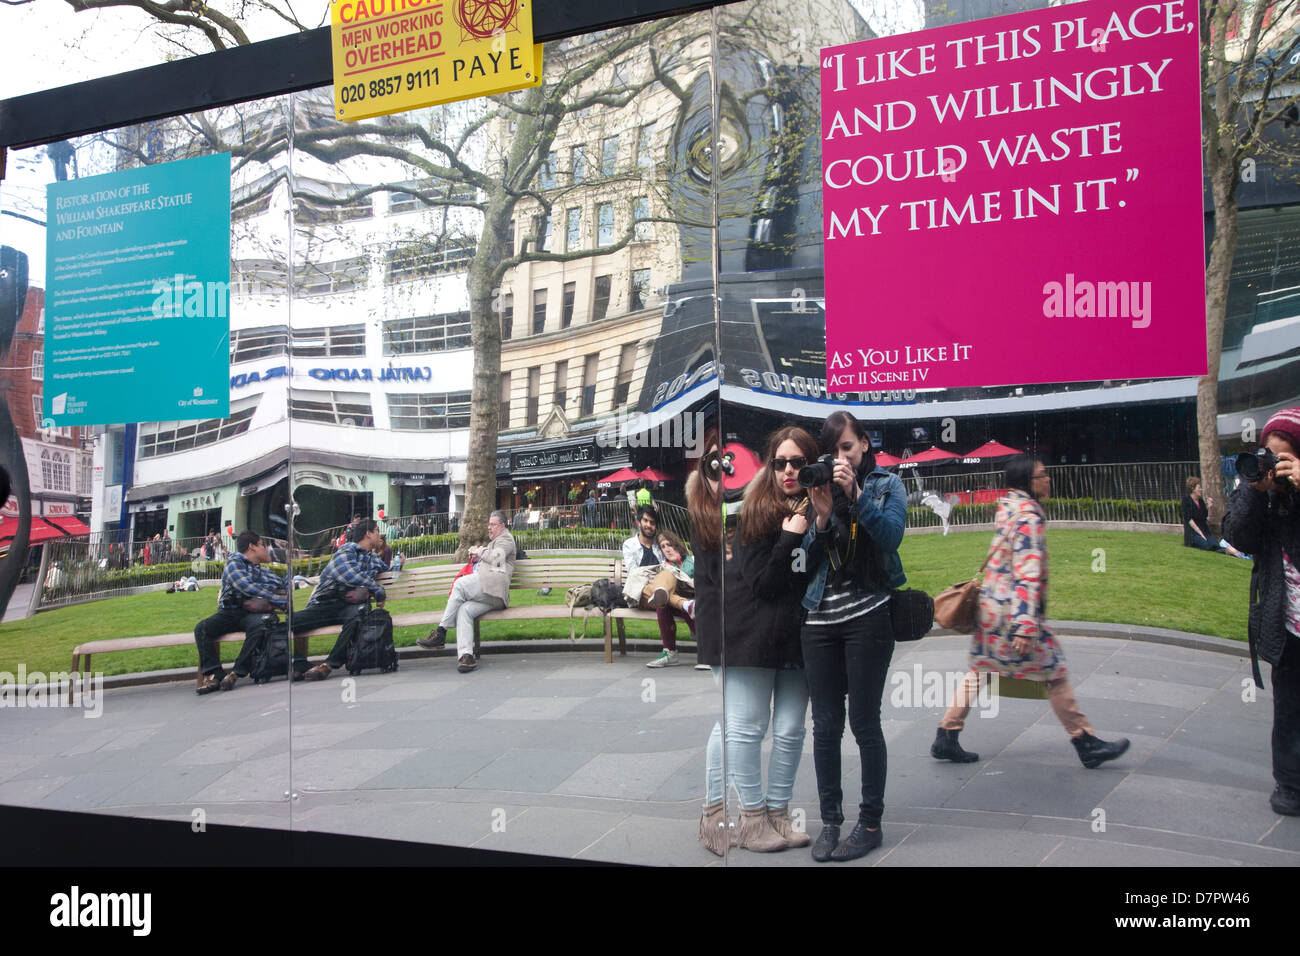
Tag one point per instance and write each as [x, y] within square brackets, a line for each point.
[623, 474]
[932, 454]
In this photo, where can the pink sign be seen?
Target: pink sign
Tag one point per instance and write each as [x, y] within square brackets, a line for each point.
[1016, 200]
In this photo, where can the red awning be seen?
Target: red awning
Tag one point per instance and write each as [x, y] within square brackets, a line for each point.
[932, 454]
[654, 474]
[992, 449]
[623, 474]
[885, 460]
[44, 529]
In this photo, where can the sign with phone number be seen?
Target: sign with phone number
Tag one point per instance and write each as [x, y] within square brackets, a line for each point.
[397, 55]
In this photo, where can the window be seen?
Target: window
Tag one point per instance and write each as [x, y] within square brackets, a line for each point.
[259, 276]
[505, 400]
[605, 224]
[608, 155]
[640, 289]
[626, 365]
[56, 470]
[249, 344]
[38, 413]
[642, 231]
[318, 210]
[38, 362]
[507, 315]
[579, 165]
[164, 438]
[399, 202]
[534, 394]
[325, 277]
[572, 230]
[542, 232]
[539, 311]
[645, 147]
[335, 340]
[332, 408]
[600, 307]
[546, 175]
[40, 322]
[428, 333]
[510, 238]
[429, 411]
[561, 396]
[441, 258]
[589, 369]
[570, 296]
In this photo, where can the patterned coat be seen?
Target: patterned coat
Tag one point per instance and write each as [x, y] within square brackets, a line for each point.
[1013, 599]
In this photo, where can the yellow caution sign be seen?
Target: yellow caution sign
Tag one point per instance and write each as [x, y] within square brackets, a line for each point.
[395, 55]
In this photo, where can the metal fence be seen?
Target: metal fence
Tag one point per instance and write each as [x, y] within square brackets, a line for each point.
[97, 566]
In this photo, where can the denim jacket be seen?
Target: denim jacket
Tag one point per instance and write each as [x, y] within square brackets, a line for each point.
[882, 512]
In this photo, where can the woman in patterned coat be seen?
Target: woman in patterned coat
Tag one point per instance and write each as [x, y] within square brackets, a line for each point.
[1011, 638]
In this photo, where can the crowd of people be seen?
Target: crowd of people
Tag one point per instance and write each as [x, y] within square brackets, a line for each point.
[788, 578]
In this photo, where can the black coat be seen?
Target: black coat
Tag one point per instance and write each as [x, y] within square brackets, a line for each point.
[767, 635]
[1262, 525]
[1198, 512]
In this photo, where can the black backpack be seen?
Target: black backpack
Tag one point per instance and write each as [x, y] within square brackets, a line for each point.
[271, 659]
[607, 595]
[371, 644]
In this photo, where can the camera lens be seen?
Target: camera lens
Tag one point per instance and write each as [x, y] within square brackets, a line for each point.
[818, 473]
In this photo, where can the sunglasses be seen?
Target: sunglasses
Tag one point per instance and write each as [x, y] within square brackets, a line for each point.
[780, 464]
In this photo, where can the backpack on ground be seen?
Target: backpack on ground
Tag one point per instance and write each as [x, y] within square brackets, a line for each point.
[271, 659]
[371, 644]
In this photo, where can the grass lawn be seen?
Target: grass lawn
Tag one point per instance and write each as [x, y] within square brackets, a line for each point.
[1148, 579]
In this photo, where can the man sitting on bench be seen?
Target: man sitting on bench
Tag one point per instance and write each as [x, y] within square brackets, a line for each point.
[346, 586]
[486, 588]
[243, 580]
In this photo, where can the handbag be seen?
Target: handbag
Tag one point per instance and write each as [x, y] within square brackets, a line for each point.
[357, 595]
[954, 607]
[911, 613]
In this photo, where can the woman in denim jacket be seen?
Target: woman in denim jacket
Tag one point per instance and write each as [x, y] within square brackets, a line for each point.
[852, 553]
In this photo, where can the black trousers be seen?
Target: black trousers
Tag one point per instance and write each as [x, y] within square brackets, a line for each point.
[1286, 716]
[323, 615]
[226, 621]
[849, 659]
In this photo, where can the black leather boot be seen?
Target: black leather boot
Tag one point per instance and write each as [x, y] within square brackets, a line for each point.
[1285, 801]
[1094, 752]
[826, 843]
[945, 747]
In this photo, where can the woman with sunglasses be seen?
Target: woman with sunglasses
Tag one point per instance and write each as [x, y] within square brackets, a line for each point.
[764, 681]
[1011, 636]
[847, 639]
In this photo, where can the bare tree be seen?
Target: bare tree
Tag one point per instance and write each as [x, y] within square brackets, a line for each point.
[1249, 75]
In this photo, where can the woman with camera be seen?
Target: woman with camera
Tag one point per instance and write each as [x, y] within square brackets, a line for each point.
[852, 558]
[1264, 520]
[764, 681]
[1011, 636]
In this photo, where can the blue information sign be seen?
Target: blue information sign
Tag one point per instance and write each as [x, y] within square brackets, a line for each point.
[137, 287]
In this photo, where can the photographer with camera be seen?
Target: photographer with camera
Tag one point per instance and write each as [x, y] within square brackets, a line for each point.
[847, 638]
[1264, 520]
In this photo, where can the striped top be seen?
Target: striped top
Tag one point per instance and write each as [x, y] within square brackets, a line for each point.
[844, 603]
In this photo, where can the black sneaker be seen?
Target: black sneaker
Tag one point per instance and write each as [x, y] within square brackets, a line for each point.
[859, 843]
[436, 640]
[1285, 801]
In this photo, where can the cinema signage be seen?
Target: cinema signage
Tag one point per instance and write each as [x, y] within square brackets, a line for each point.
[587, 454]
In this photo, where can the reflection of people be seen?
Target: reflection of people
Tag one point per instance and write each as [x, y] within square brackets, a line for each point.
[486, 588]
[1196, 521]
[242, 578]
[1011, 636]
[847, 638]
[642, 550]
[354, 566]
[670, 594]
[1264, 519]
[764, 678]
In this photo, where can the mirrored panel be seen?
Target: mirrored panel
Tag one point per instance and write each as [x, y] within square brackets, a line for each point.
[506, 272]
[136, 485]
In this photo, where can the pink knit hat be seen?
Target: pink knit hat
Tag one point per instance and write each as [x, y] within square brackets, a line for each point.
[1287, 423]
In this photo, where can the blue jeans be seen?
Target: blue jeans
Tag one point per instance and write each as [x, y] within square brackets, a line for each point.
[753, 696]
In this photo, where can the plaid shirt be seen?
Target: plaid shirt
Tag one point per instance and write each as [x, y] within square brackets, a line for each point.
[351, 567]
[243, 579]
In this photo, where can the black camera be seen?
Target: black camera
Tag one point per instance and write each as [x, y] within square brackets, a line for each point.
[819, 472]
[1254, 465]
